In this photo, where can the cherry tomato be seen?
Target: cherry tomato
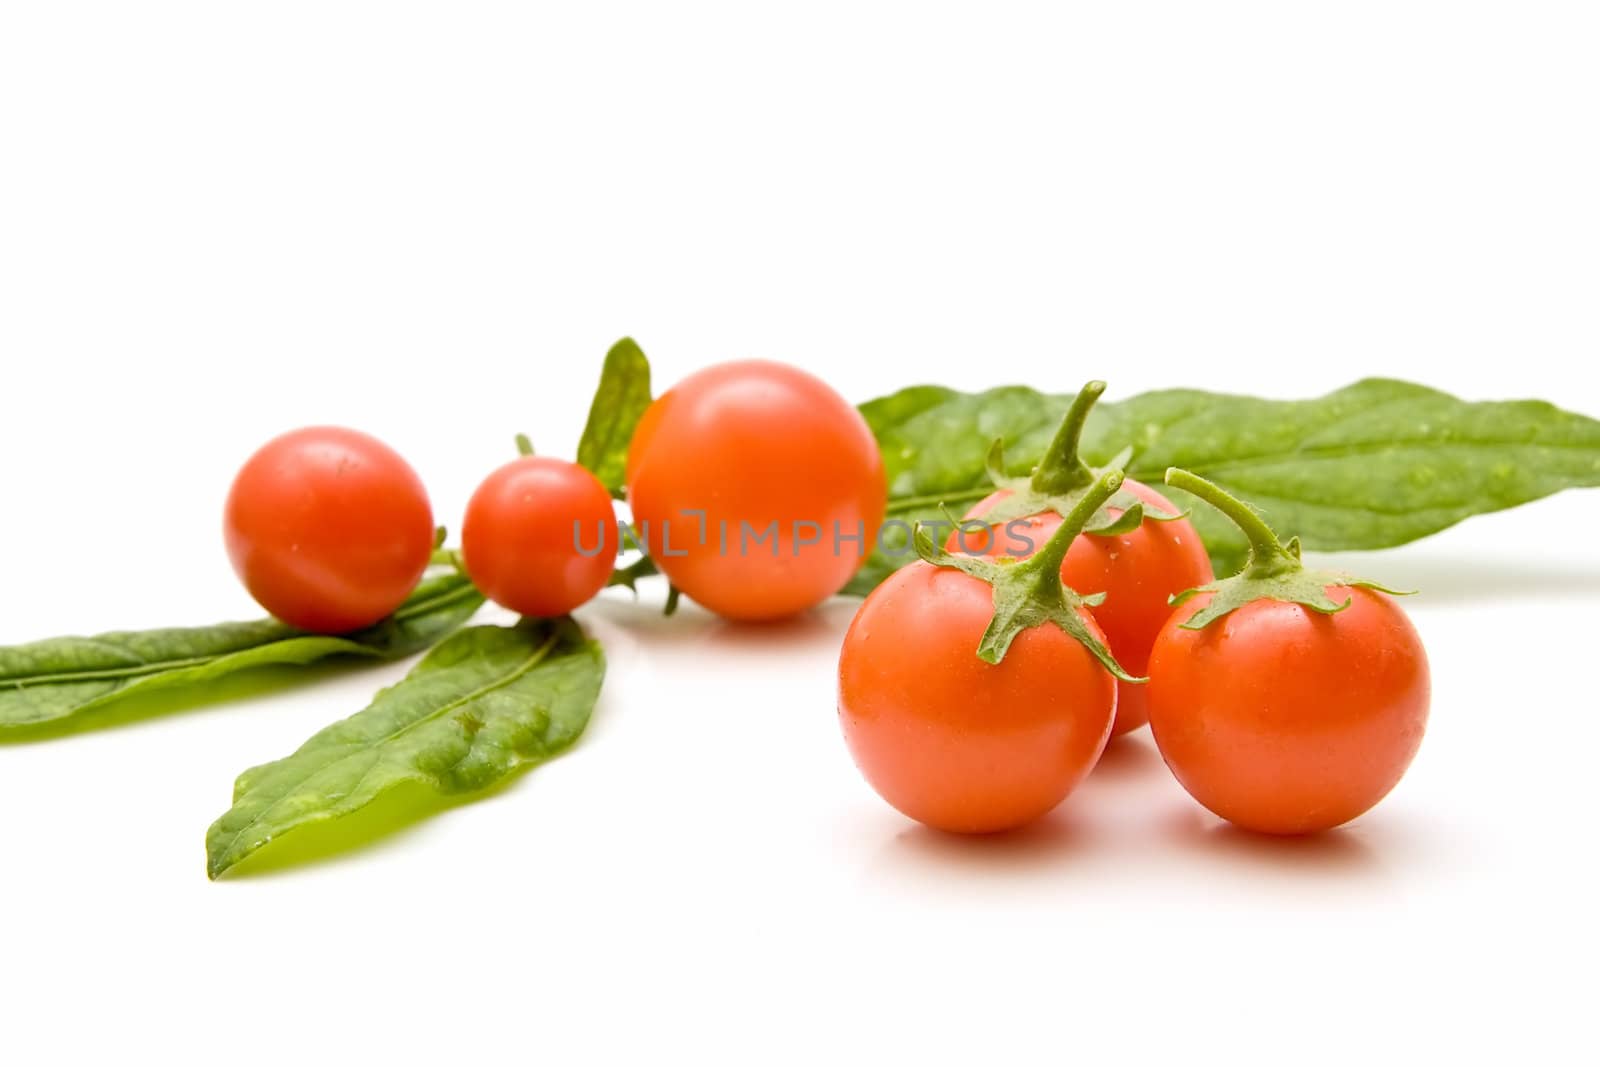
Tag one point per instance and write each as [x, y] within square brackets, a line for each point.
[756, 489]
[950, 740]
[328, 528]
[1137, 571]
[1287, 721]
[540, 536]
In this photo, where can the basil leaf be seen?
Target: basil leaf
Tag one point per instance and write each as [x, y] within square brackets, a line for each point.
[1376, 464]
[483, 703]
[619, 400]
[50, 681]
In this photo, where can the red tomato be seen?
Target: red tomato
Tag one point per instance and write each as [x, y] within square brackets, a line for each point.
[1137, 571]
[745, 481]
[328, 528]
[1287, 721]
[952, 741]
[540, 536]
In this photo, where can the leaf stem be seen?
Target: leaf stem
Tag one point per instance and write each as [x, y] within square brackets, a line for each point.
[524, 445]
[918, 503]
[447, 557]
[465, 591]
[1062, 470]
[1268, 556]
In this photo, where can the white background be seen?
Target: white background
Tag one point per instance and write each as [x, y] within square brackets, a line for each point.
[219, 221]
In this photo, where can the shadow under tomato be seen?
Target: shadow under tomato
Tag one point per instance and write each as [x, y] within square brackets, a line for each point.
[1127, 758]
[1047, 842]
[643, 616]
[1341, 851]
[821, 626]
[693, 626]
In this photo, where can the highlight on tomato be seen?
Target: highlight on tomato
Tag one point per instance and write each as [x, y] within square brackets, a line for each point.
[1285, 700]
[975, 694]
[755, 488]
[328, 528]
[1139, 550]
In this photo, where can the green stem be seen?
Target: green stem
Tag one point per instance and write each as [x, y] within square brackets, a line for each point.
[465, 592]
[524, 445]
[918, 503]
[1030, 592]
[1268, 557]
[639, 568]
[1048, 559]
[1062, 470]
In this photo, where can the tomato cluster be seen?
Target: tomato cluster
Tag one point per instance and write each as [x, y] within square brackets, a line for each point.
[1285, 701]
[977, 686]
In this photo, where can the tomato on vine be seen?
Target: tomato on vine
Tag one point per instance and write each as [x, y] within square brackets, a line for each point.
[974, 694]
[1287, 701]
[1138, 549]
[328, 528]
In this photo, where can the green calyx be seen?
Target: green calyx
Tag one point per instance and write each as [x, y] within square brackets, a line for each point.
[1062, 478]
[1029, 592]
[1273, 570]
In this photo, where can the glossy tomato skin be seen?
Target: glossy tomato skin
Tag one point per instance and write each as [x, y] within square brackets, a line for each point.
[540, 536]
[328, 528]
[1285, 721]
[751, 444]
[1138, 571]
[951, 741]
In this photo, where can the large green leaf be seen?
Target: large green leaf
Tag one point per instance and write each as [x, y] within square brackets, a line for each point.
[64, 677]
[1375, 464]
[484, 702]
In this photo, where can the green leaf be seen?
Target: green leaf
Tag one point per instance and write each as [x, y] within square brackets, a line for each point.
[619, 400]
[1376, 464]
[51, 681]
[1062, 477]
[483, 703]
[936, 444]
